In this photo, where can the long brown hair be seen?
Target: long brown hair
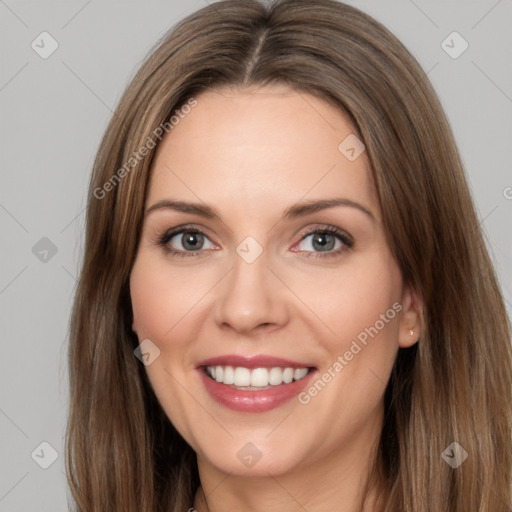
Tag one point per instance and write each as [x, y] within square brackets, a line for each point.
[454, 385]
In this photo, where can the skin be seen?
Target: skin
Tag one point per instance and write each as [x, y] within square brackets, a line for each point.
[251, 154]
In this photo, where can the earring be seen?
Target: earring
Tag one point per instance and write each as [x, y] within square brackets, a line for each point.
[411, 333]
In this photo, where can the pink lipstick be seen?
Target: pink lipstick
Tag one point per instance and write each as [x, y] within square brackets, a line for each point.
[254, 384]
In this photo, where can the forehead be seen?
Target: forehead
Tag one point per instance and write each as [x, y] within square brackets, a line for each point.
[260, 145]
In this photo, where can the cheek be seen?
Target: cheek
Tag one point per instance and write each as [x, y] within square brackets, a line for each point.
[167, 303]
[359, 311]
[160, 305]
[161, 299]
[356, 301]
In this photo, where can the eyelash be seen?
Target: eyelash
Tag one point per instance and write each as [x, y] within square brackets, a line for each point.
[348, 242]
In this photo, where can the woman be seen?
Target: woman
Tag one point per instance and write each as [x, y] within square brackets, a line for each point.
[285, 301]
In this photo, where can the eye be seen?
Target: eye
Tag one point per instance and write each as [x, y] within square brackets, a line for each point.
[184, 241]
[321, 242]
[328, 240]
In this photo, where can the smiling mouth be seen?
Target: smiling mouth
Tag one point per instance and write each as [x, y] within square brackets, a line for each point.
[254, 379]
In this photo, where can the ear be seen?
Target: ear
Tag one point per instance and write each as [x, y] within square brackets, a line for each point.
[410, 319]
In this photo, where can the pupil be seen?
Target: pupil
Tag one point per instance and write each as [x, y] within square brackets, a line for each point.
[320, 239]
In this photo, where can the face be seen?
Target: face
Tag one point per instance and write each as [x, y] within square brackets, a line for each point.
[296, 310]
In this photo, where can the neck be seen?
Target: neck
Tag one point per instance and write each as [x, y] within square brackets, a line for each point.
[334, 482]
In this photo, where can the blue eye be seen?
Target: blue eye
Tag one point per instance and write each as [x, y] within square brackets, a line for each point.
[324, 241]
[192, 241]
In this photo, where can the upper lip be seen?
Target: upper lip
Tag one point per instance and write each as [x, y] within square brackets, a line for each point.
[259, 361]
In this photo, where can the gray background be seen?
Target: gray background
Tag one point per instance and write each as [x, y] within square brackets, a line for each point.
[53, 113]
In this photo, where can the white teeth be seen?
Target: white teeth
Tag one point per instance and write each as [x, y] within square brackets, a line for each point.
[299, 373]
[257, 377]
[288, 375]
[275, 376]
[242, 377]
[229, 375]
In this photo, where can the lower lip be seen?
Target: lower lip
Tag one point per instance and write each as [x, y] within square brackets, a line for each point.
[253, 401]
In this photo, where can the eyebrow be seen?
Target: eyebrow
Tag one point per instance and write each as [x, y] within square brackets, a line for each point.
[293, 212]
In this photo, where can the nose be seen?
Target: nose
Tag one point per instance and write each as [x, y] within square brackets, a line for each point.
[251, 297]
